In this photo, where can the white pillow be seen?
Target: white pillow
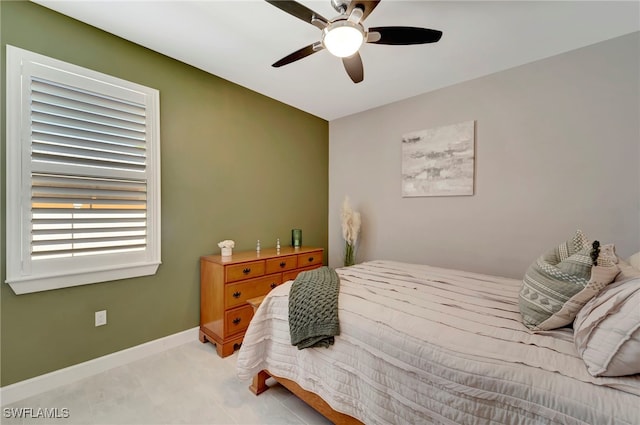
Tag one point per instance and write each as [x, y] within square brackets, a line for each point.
[634, 260]
[627, 271]
[607, 330]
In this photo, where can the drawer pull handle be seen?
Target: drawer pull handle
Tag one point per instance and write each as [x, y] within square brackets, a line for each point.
[237, 294]
[237, 320]
[310, 259]
[273, 285]
[246, 271]
[283, 264]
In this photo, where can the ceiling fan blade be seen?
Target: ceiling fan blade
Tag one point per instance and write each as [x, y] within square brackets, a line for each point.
[353, 65]
[299, 54]
[301, 12]
[402, 35]
[366, 6]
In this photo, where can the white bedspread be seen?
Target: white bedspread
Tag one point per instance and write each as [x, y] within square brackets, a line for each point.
[423, 345]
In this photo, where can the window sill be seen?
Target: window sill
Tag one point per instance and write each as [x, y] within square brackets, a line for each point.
[46, 283]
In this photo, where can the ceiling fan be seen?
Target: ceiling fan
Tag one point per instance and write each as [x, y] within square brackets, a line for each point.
[343, 35]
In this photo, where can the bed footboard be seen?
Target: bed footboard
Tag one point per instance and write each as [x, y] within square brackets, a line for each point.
[259, 386]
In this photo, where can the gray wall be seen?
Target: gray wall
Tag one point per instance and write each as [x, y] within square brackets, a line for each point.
[557, 148]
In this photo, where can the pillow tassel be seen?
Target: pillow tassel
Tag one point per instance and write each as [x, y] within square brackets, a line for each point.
[595, 252]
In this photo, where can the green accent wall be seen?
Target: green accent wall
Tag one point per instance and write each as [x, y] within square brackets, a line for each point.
[235, 165]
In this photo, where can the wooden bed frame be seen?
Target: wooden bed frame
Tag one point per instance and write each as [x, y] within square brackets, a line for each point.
[259, 385]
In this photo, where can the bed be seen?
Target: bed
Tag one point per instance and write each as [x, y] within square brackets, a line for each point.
[422, 344]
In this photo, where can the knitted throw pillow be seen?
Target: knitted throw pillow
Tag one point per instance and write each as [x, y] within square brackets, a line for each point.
[561, 281]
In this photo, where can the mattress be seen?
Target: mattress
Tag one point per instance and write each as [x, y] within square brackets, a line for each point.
[422, 344]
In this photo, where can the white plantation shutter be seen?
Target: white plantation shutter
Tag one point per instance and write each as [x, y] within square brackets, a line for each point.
[78, 211]
[89, 151]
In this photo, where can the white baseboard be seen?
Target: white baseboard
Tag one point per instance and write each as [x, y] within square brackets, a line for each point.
[39, 384]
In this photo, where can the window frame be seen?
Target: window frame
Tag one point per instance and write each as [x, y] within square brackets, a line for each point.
[23, 275]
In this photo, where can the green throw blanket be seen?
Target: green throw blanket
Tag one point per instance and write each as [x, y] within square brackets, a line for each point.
[313, 308]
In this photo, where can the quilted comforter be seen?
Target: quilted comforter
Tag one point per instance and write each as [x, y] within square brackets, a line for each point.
[421, 345]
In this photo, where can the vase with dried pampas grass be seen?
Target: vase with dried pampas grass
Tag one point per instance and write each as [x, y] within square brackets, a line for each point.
[350, 230]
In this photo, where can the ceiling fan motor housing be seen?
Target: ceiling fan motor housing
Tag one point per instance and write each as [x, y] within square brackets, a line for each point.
[340, 5]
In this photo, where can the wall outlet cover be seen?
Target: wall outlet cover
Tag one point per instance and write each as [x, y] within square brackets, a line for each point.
[101, 317]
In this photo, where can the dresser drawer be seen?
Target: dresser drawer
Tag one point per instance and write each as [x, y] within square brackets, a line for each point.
[237, 320]
[310, 259]
[282, 264]
[244, 271]
[236, 294]
[291, 275]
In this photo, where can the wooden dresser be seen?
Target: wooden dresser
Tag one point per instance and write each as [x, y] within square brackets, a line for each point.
[226, 283]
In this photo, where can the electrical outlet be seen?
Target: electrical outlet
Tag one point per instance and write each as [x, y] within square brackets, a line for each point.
[101, 317]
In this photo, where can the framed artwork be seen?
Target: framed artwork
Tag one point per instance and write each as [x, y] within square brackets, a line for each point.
[439, 161]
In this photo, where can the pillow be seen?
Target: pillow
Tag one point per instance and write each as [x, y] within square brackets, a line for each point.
[627, 271]
[634, 260]
[561, 281]
[607, 330]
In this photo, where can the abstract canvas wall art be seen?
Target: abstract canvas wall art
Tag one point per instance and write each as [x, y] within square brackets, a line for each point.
[439, 161]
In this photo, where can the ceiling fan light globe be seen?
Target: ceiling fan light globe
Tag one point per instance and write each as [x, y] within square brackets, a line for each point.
[343, 38]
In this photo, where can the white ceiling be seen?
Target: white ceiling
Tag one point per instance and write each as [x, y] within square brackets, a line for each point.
[239, 40]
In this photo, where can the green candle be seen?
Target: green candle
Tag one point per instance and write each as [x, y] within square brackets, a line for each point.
[296, 238]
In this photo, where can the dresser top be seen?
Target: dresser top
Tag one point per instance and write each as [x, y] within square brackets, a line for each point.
[264, 254]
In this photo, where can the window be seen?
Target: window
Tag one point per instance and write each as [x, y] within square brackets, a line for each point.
[83, 175]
